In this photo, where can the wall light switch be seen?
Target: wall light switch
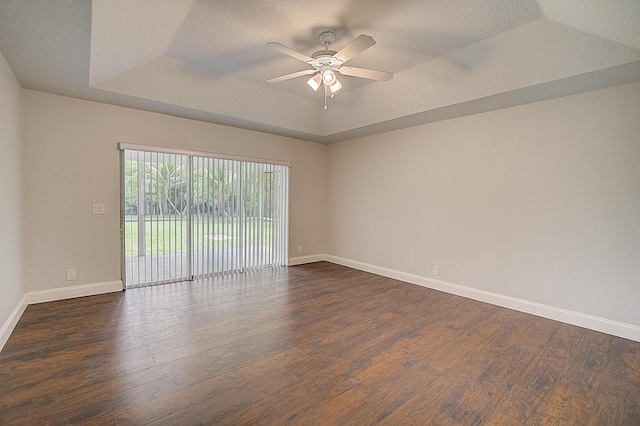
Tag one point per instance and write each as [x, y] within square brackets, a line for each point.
[98, 209]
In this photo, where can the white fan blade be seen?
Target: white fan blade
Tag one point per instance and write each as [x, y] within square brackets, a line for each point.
[365, 73]
[290, 76]
[287, 51]
[360, 44]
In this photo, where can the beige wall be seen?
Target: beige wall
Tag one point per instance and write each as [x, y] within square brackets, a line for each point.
[71, 162]
[11, 288]
[539, 202]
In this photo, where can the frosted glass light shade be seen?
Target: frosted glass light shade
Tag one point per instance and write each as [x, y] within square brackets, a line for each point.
[335, 86]
[315, 82]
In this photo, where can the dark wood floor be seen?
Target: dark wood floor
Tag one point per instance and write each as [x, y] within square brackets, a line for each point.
[312, 344]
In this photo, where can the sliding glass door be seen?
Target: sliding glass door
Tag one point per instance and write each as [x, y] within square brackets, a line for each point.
[156, 217]
[190, 216]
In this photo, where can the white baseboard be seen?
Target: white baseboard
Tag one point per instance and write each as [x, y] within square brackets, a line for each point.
[10, 323]
[305, 259]
[627, 331]
[51, 295]
[72, 291]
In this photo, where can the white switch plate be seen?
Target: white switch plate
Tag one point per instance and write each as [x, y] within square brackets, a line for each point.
[71, 274]
[299, 249]
[436, 269]
[98, 209]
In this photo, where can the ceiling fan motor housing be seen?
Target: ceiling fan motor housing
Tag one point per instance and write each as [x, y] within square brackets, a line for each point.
[325, 58]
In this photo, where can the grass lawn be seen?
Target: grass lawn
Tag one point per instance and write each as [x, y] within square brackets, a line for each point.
[168, 234]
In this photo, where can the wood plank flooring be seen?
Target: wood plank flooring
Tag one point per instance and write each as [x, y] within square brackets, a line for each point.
[313, 344]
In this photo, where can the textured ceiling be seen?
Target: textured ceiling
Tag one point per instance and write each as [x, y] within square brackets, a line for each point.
[207, 59]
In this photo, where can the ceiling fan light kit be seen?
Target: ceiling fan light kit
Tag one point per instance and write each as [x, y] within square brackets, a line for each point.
[326, 63]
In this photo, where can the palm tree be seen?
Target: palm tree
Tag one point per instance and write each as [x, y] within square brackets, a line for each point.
[166, 185]
[214, 190]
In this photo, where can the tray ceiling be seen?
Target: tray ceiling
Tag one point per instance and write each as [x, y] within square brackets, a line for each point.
[207, 59]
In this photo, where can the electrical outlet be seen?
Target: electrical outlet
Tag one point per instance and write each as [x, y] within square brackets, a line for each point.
[436, 269]
[299, 249]
[71, 274]
[98, 209]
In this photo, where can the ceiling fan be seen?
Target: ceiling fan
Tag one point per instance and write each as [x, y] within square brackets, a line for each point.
[327, 62]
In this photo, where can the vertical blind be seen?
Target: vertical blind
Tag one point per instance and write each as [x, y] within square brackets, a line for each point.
[189, 216]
